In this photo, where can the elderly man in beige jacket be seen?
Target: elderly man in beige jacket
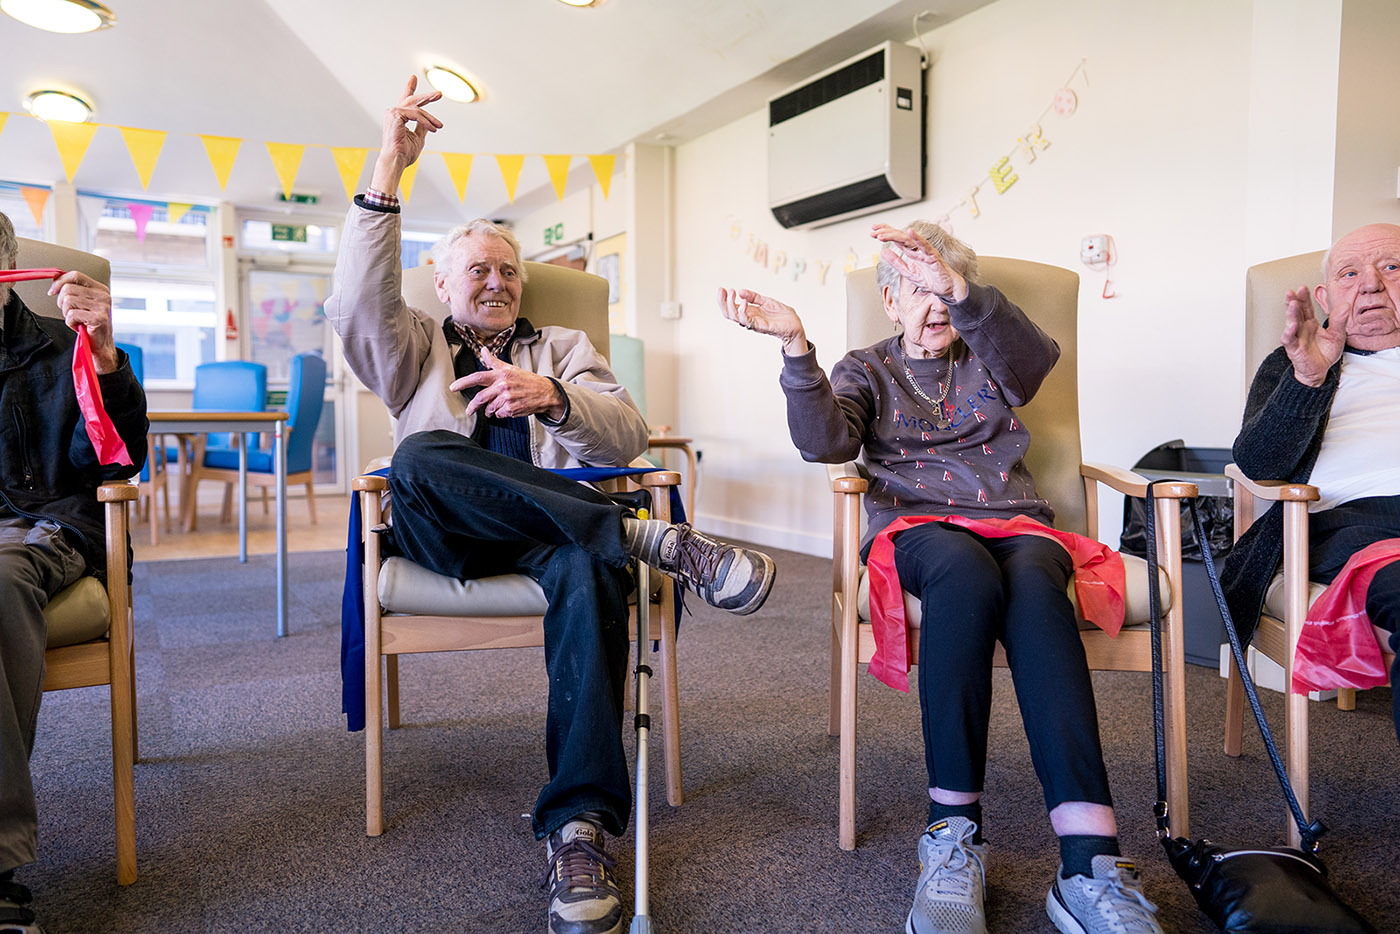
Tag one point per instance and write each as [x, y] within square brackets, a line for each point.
[486, 403]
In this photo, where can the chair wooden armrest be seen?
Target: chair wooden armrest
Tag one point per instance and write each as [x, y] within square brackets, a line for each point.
[1276, 490]
[118, 491]
[369, 484]
[1133, 484]
[846, 478]
[660, 478]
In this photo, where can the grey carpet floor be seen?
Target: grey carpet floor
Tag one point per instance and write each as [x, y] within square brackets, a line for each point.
[250, 793]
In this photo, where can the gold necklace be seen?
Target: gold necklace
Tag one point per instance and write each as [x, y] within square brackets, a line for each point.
[937, 404]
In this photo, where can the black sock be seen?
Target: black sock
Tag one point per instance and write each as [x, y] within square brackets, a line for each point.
[1077, 852]
[973, 812]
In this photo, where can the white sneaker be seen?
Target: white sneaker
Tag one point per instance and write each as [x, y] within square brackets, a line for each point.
[1110, 903]
[952, 881]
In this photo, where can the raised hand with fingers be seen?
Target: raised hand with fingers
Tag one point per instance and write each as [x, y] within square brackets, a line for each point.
[401, 145]
[917, 260]
[507, 391]
[1311, 347]
[85, 301]
[765, 315]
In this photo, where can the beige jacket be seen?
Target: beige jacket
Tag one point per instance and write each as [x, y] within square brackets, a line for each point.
[400, 353]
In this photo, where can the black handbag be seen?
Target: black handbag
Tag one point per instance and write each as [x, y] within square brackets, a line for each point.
[1244, 890]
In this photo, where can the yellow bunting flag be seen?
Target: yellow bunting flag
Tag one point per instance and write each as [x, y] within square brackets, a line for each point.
[349, 162]
[286, 159]
[510, 172]
[603, 170]
[3, 118]
[72, 140]
[176, 210]
[410, 172]
[144, 147]
[558, 167]
[36, 198]
[222, 151]
[459, 167]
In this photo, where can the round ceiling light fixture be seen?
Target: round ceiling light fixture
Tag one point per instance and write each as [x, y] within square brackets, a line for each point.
[452, 85]
[58, 105]
[66, 16]
[581, 3]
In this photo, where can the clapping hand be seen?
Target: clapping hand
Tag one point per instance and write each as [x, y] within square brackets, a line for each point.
[917, 261]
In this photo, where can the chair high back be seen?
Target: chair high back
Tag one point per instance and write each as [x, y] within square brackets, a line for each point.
[137, 356]
[551, 295]
[229, 386]
[36, 254]
[1050, 296]
[305, 397]
[628, 361]
[1265, 285]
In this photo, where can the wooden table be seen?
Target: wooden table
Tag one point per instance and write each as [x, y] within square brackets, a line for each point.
[195, 422]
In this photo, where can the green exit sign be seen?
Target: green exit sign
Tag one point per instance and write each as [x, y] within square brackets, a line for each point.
[298, 197]
[289, 233]
[554, 235]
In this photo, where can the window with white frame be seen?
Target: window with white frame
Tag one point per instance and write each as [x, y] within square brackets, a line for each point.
[164, 292]
[16, 206]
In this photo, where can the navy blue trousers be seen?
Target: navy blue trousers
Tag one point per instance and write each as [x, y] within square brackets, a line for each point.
[464, 511]
[976, 591]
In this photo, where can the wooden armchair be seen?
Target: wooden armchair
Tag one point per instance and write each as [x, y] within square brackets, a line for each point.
[1050, 296]
[89, 624]
[410, 609]
[1290, 594]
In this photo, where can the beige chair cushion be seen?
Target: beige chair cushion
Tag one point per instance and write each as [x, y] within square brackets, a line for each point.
[77, 613]
[405, 587]
[1274, 602]
[1135, 613]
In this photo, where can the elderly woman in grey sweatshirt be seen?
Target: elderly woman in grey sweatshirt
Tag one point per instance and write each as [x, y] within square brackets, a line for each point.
[930, 411]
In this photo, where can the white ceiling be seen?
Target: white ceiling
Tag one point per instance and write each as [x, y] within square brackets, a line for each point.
[554, 79]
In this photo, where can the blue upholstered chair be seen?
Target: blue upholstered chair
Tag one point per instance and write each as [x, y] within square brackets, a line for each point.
[226, 386]
[305, 398]
[153, 474]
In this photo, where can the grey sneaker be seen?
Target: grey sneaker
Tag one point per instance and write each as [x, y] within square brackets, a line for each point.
[1110, 903]
[583, 899]
[15, 912]
[725, 576]
[952, 881]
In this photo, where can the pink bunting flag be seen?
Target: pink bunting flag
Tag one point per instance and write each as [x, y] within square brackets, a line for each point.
[141, 214]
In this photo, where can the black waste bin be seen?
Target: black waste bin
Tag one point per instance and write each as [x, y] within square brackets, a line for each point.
[1173, 460]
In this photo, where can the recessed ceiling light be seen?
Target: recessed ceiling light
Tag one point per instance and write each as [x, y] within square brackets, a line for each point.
[67, 16]
[58, 105]
[452, 85]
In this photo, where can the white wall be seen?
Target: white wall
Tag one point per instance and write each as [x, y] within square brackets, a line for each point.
[1368, 131]
[1156, 155]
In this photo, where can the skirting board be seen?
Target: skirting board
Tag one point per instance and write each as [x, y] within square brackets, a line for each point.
[806, 543]
[1266, 672]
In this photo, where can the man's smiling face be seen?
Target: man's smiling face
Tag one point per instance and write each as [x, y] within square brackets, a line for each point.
[1363, 284]
[481, 284]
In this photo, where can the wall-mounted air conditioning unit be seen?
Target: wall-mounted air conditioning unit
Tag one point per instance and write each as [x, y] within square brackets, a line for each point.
[848, 141]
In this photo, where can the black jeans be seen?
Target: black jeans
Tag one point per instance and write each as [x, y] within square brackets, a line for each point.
[464, 511]
[976, 591]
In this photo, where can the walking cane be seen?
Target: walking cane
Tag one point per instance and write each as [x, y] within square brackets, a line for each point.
[641, 920]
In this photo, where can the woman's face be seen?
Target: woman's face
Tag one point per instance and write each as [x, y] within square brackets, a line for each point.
[924, 317]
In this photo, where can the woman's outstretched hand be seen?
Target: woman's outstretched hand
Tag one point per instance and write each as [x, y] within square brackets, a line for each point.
[756, 312]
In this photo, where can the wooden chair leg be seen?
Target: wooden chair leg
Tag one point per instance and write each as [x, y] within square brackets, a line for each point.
[1346, 698]
[226, 510]
[1234, 711]
[391, 680]
[834, 723]
[374, 687]
[310, 500]
[264, 500]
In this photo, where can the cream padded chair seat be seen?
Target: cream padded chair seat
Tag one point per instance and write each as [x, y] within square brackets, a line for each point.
[77, 613]
[405, 587]
[1134, 614]
[1274, 602]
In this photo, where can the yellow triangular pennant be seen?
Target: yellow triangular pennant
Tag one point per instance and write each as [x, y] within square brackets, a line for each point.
[603, 170]
[410, 172]
[144, 147]
[176, 210]
[286, 159]
[349, 162]
[459, 166]
[36, 198]
[222, 151]
[3, 118]
[510, 172]
[558, 168]
[72, 140]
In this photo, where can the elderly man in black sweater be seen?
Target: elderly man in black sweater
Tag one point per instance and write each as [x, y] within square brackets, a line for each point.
[1323, 409]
